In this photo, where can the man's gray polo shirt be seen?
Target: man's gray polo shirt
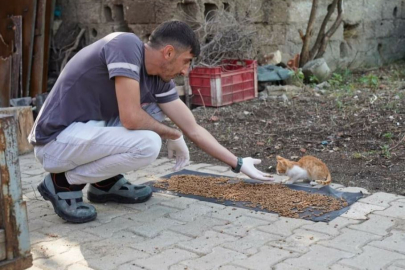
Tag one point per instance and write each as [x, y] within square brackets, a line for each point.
[85, 89]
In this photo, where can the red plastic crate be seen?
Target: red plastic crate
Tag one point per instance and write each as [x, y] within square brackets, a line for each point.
[234, 81]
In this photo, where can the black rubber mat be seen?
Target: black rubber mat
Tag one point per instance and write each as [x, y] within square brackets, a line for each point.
[308, 214]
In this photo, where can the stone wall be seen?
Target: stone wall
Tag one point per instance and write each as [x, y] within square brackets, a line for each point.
[373, 32]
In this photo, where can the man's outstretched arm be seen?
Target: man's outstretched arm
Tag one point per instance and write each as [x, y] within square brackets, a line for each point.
[178, 112]
[132, 115]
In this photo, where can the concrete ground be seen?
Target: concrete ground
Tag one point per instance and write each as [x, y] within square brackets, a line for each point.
[178, 233]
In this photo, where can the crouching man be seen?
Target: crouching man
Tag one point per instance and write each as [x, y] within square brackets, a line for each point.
[102, 118]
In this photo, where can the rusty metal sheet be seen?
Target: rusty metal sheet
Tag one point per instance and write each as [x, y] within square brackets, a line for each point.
[25, 121]
[14, 210]
[8, 158]
[5, 81]
[38, 52]
[16, 74]
[26, 9]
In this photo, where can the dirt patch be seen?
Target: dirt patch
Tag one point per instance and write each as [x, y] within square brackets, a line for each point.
[355, 128]
[272, 197]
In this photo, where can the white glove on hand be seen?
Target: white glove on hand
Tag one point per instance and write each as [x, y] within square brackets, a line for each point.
[179, 148]
[248, 168]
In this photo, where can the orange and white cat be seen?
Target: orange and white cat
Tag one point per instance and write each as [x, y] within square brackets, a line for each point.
[307, 168]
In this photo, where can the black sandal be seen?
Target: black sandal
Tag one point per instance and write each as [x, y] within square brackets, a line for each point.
[122, 192]
[68, 205]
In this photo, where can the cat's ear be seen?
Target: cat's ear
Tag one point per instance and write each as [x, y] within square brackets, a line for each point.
[279, 158]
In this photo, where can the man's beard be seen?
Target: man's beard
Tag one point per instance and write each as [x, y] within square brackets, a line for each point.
[166, 78]
[167, 70]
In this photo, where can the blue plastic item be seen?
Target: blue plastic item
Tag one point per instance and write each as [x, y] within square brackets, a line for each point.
[271, 73]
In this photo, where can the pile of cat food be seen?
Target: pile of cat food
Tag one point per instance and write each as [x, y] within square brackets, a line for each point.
[271, 197]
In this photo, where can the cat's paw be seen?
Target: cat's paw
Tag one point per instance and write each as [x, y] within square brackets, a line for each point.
[285, 180]
[288, 181]
[313, 183]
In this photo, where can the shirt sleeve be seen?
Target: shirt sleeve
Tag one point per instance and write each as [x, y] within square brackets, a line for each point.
[168, 93]
[123, 56]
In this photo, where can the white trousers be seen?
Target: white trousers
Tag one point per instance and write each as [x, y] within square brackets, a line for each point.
[94, 151]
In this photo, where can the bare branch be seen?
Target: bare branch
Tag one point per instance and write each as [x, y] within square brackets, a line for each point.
[338, 21]
[331, 31]
[317, 45]
[307, 37]
[398, 144]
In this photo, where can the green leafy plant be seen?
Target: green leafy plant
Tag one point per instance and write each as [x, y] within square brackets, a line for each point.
[339, 104]
[371, 152]
[347, 75]
[336, 80]
[300, 75]
[349, 88]
[370, 81]
[398, 74]
[313, 79]
[385, 150]
[357, 156]
[388, 136]
[297, 76]
[391, 106]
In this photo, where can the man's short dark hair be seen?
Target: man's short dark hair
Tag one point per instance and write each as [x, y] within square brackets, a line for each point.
[175, 33]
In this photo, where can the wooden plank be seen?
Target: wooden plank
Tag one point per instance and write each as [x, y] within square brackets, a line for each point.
[50, 7]
[5, 81]
[38, 53]
[1, 211]
[28, 49]
[25, 121]
[27, 9]
[2, 245]
[6, 37]
[17, 264]
[16, 74]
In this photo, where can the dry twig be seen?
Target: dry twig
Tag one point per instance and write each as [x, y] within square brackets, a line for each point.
[71, 49]
[398, 144]
[224, 36]
[202, 99]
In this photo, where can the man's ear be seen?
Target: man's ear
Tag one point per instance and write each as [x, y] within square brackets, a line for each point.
[168, 52]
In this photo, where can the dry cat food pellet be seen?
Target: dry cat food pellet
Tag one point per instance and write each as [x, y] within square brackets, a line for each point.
[272, 197]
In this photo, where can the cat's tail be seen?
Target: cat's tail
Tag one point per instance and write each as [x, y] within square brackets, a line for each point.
[325, 182]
